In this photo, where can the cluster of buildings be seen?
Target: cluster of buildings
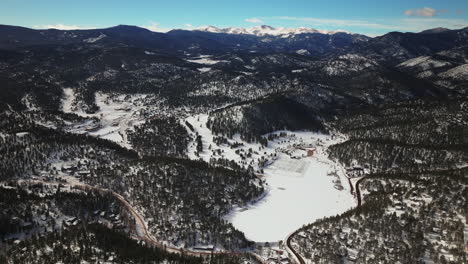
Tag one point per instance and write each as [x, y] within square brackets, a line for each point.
[299, 151]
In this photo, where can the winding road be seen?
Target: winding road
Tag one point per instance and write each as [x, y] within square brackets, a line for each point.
[289, 238]
[142, 230]
[290, 248]
[140, 226]
[358, 191]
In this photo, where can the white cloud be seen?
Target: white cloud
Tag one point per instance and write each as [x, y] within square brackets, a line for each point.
[154, 26]
[61, 27]
[253, 20]
[411, 24]
[422, 12]
[189, 26]
[419, 24]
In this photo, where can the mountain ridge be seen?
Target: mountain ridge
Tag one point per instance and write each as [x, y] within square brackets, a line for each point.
[264, 30]
[394, 46]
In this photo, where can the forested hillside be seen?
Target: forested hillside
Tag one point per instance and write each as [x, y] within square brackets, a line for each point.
[123, 145]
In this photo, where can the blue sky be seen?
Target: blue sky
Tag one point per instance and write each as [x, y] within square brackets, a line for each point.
[372, 17]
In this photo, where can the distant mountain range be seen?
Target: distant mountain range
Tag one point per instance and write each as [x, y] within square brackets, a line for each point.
[205, 40]
[395, 46]
[265, 30]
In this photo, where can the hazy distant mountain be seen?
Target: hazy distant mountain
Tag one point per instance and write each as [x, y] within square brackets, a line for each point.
[397, 47]
[447, 68]
[434, 30]
[206, 40]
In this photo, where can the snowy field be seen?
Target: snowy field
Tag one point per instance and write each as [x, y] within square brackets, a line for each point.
[205, 59]
[300, 188]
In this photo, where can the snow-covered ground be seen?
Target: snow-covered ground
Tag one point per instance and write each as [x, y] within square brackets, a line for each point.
[205, 59]
[265, 30]
[457, 73]
[68, 100]
[92, 40]
[204, 69]
[117, 114]
[424, 63]
[292, 201]
[300, 188]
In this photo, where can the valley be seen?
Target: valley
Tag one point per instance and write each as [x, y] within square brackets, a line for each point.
[295, 180]
[232, 145]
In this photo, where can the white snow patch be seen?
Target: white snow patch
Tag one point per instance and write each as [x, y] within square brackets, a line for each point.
[22, 134]
[204, 69]
[298, 71]
[29, 102]
[265, 31]
[302, 52]
[347, 64]
[424, 63]
[204, 59]
[117, 114]
[246, 73]
[68, 100]
[458, 73]
[92, 40]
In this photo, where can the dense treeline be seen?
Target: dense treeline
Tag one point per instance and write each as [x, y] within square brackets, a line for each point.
[411, 136]
[26, 148]
[397, 206]
[253, 120]
[160, 137]
[91, 243]
[31, 212]
[27, 210]
[184, 198]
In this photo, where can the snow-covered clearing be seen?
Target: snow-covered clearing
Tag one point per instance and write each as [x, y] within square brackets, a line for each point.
[68, 100]
[302, 52]
[29, 102]
[300, 188]
[204, 69]
[204, 59]
[457, 73]
[92, 40]
[116, 114]
[298, 71]
[424, 63]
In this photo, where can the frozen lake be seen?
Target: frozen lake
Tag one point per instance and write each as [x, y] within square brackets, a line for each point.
[299, 190]
[294, 199]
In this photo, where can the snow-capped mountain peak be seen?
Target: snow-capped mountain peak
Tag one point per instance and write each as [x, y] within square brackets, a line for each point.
[212, 29]
[264, 30]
